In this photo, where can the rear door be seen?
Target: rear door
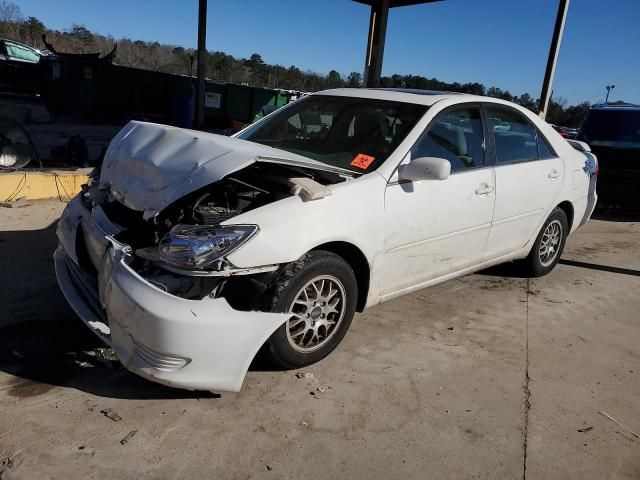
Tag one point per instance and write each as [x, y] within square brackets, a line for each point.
[529, 176]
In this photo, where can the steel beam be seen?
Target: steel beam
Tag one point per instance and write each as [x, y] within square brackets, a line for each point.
[556, 40]
[375, 43]
[201, 63]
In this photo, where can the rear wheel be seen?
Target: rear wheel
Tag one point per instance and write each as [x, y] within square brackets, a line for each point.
[320, 293]
[549, 244]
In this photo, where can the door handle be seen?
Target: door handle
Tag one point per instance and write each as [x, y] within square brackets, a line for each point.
[484, 189]
[553, 174]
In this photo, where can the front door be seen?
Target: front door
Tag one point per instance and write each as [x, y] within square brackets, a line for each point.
[437, 227]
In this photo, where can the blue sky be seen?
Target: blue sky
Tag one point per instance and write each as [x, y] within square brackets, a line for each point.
[501, 43]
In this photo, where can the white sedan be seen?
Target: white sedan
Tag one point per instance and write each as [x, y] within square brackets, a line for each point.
[192, 251]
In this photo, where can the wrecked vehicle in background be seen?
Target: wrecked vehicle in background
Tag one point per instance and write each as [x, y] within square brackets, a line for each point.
[192, 251]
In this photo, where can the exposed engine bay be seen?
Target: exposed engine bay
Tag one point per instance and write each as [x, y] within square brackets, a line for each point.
[207, 209]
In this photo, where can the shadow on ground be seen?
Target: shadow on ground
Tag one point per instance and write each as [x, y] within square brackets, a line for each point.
[45, 344]
[28, 288]
[600, 267]
[506, 270]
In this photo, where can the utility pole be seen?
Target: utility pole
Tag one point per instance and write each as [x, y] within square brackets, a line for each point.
[609, 88]
[561, 18]
[201, 62]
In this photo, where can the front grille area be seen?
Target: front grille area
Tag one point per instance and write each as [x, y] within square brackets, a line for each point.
[82, 254]
[136, 231]
[87, 287]
[122, 215]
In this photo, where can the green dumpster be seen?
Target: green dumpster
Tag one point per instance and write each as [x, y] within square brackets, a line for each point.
[238, 106]
[215, 97]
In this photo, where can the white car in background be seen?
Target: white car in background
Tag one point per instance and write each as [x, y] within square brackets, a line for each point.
[192, 251]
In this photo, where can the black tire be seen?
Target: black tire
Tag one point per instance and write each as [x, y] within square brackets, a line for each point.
[533, 265]
[285, 289]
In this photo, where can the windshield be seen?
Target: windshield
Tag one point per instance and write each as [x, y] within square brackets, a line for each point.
[611, 126]
[357, 134]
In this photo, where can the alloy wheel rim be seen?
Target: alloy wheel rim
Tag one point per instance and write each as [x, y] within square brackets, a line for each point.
[550, 243]
[317, 312]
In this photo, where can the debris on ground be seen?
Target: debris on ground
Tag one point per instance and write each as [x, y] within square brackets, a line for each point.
[109, 413]
[585, 429]
[269, 467]
[606, 415]
[5, 465]
[129, 436]
[18, 202]
[107, 357]
[320, 389]
[307, 376]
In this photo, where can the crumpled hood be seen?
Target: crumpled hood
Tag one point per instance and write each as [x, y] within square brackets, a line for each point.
[149, 166]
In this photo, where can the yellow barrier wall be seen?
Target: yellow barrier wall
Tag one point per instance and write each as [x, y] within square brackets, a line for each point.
[37, 185]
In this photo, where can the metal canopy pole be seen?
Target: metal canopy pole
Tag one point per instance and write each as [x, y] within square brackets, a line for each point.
[201, 63]
[375, 43]
[556, 40]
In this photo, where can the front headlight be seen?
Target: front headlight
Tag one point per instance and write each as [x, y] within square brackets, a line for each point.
[198, 246]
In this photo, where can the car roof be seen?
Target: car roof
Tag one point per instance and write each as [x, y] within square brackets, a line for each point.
[417, 91]
[43, 53]
[616, 107]
[407, 95]
[12, 40]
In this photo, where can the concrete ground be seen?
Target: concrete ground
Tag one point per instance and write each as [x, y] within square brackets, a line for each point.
[488, 376]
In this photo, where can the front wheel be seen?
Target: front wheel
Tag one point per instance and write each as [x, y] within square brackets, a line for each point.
[320, 293]
[549, 244]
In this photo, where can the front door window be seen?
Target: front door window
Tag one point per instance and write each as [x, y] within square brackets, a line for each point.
[455, 135]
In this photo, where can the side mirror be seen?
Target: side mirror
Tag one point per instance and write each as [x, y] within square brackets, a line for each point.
[425, 168]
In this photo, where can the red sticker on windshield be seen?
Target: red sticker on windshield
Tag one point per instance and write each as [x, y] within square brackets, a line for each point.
[362, 161]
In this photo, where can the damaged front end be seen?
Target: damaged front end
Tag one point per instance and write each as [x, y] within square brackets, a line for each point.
[182, 249]
[142, 255]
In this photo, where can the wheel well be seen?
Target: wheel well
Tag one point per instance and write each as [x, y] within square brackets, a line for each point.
[567, 208]
[358, 263]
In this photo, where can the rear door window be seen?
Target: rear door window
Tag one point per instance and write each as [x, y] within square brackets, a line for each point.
[544, 150]
[515, 139]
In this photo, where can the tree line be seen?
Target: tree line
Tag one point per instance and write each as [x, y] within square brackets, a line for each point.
[254, 70]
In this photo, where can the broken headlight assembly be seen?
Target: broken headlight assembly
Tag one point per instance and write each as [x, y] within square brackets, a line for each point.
[197, 247]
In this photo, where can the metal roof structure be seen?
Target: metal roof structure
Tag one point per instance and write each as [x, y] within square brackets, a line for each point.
[375, 47]
[378, 32]
[397, 3]
[377, 35]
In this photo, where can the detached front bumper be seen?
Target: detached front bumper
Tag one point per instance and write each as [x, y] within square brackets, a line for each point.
[194, 344]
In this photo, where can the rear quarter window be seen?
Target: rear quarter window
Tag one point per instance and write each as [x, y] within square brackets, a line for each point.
[544, 150]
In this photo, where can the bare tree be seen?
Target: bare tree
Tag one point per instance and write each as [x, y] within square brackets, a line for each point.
[10, 18]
